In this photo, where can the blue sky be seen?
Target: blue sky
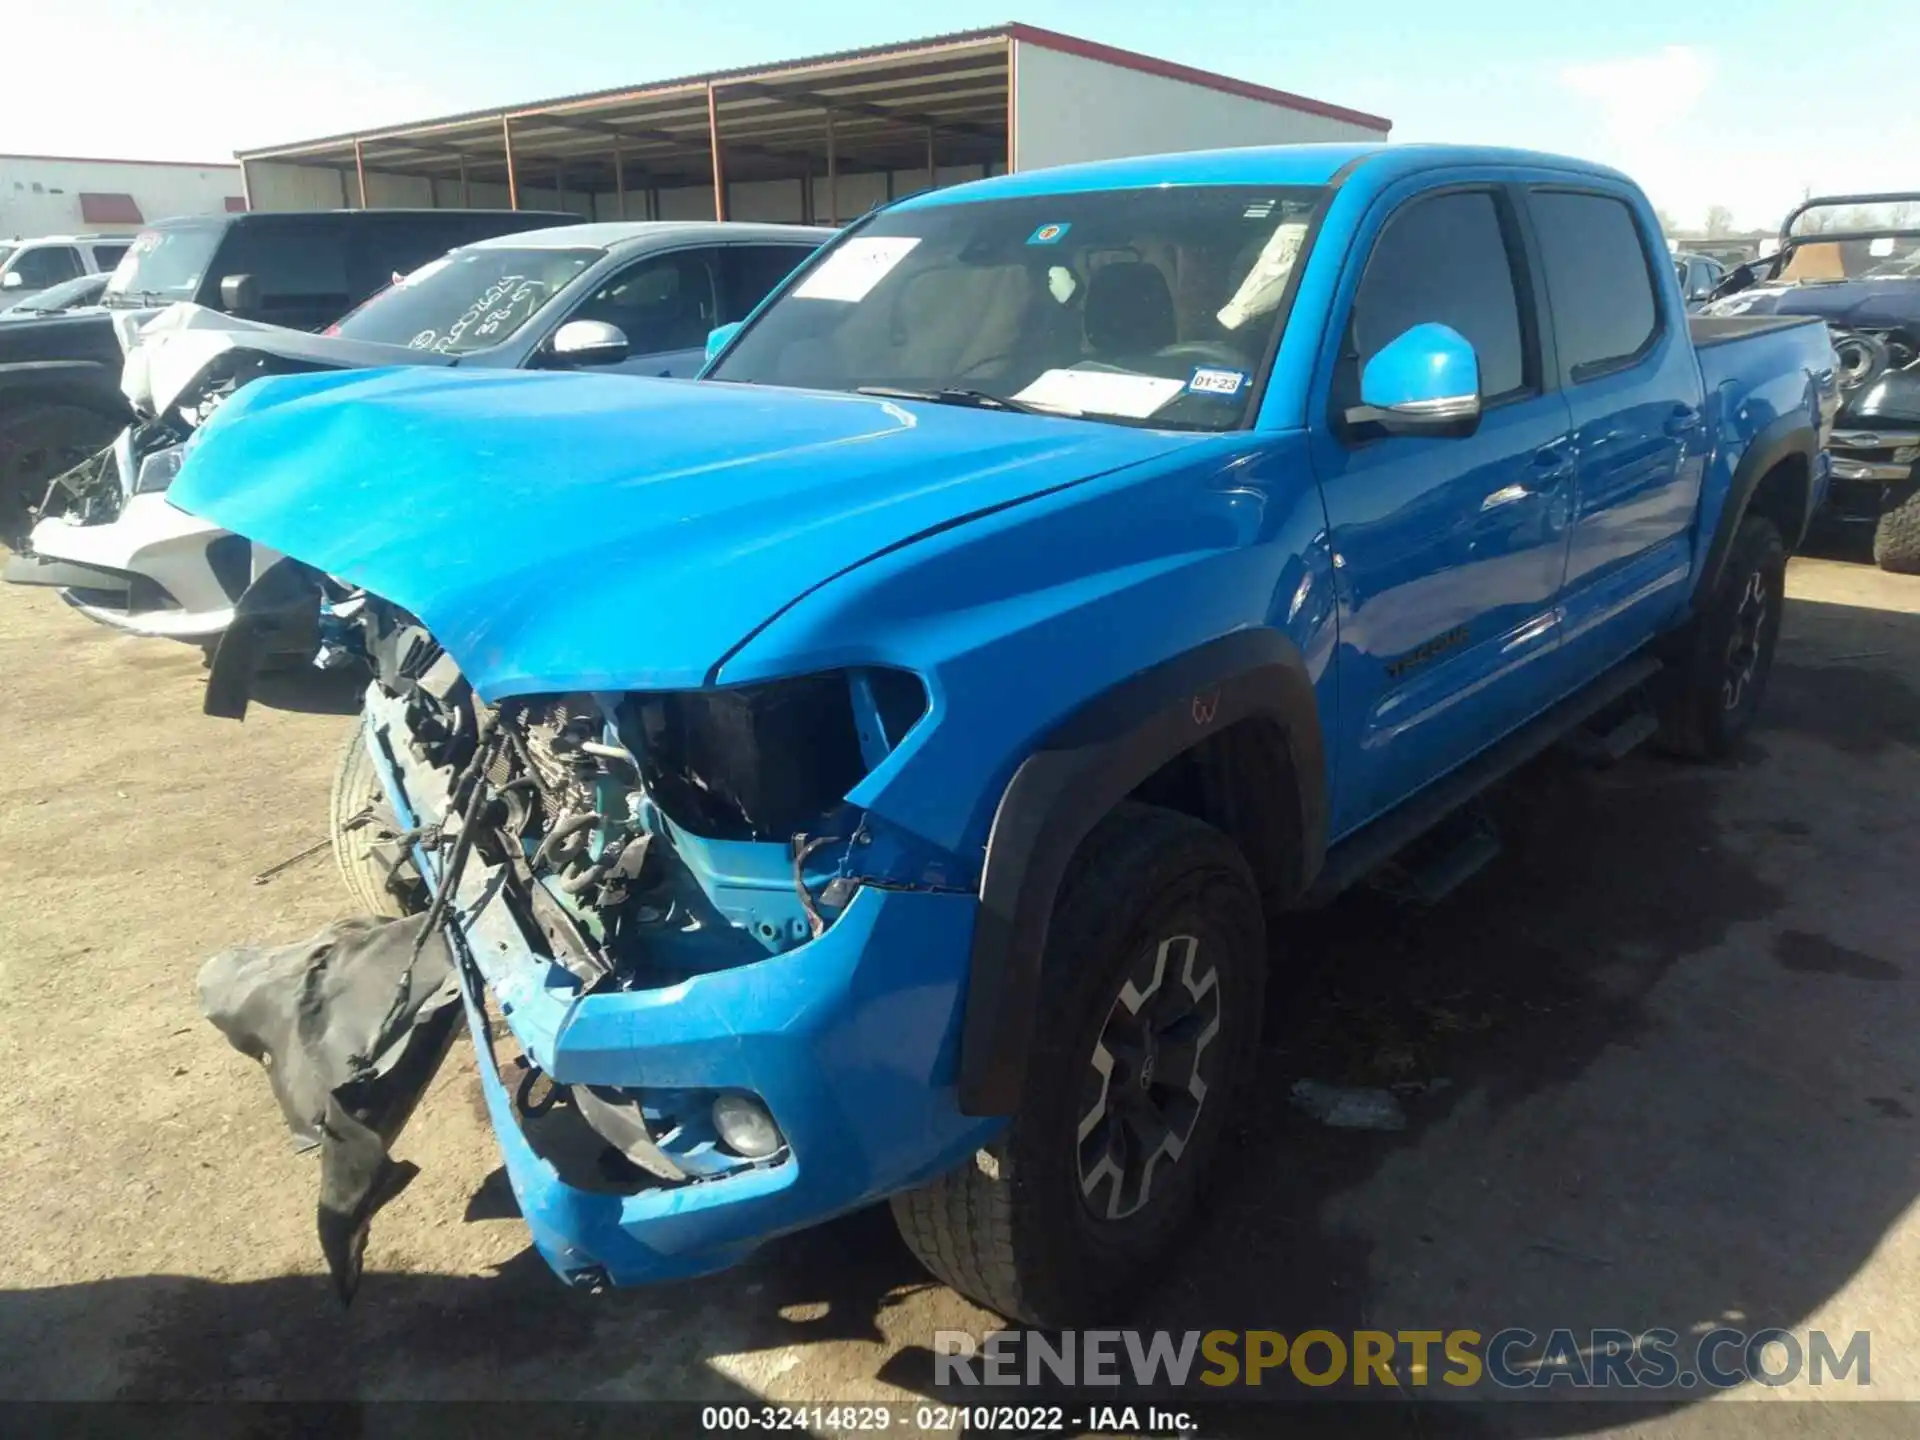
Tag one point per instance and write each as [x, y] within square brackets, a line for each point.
[1741, 104]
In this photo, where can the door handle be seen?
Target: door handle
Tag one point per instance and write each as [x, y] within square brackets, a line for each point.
[1682, 420]
[1554, 455]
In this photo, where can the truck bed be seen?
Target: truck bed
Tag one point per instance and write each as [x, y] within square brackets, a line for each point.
[1718, 329]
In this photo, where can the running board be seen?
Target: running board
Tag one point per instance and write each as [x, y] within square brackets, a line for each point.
[1601, 748]
[1440, 861]
[1366, 850]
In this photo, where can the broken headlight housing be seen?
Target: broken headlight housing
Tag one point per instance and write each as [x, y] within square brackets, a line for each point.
[765, 762]
[157, 469]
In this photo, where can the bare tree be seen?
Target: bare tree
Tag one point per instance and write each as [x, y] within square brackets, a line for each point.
[1668, 225]
[1719, 221]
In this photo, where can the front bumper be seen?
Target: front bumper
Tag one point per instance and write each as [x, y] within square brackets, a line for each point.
[153, 570]
[851, 1040]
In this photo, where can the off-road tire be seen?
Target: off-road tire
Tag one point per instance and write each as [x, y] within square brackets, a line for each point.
[1896, 538]
[1011, 1227]
[1702, 713]
[356, 788]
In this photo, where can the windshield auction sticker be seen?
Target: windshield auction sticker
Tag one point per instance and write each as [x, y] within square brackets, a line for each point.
[1101, 392]
[855, 268]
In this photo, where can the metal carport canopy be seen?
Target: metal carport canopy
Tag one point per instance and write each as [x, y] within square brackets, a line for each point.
[922, 106]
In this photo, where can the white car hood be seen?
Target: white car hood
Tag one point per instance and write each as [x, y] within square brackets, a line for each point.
[170, 352]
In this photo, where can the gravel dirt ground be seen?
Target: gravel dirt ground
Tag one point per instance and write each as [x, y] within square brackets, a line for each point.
[1675, 1022]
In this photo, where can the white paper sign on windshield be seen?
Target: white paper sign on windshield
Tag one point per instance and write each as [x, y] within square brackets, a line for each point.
[1101, 392]
[855, 268]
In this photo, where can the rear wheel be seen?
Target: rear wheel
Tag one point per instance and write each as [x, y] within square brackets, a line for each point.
[1896, 537]
[364, 829]
[1715, 681]
[1148, 1017]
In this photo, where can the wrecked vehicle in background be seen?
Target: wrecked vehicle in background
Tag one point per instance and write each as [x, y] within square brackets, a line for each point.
[1854, 261]
[638, 298]
[870, 770]
[60, 398]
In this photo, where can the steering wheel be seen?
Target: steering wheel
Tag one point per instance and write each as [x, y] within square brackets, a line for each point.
[982, 364]
[1203, 352]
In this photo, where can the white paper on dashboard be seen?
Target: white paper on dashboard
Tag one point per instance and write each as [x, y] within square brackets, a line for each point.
[1102, 392]
[855, 268]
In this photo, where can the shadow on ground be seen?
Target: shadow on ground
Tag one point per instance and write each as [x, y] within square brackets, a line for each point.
[1655, 1076]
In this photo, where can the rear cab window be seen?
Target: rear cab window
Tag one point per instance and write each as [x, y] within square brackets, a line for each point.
[1606, 316]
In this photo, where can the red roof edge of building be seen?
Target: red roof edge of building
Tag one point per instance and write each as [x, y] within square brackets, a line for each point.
[1171, 70]
[117, 160]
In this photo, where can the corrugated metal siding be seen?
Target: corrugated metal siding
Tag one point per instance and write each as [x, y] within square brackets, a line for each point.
[1069, 109]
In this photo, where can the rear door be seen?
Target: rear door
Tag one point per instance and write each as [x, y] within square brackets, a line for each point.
[1448, 552]
[1633, 386]
[107, 254]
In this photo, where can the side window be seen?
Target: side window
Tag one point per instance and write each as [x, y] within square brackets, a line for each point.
[294, 268]
[748, 272]
[666, 303]
[1446, 259]
[105, 257]
[1604, 312]
[46, 265]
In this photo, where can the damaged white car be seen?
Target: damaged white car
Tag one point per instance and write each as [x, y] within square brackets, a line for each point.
[638, 298]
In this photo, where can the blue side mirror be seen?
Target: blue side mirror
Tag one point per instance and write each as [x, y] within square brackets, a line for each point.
[1424, 381]
[719, 336]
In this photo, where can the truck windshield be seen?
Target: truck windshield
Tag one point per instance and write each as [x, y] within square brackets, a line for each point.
[162, 266]
[466, 300]
[1147, 307]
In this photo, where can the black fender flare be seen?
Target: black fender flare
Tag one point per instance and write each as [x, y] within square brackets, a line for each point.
[1084, 767]
[1785, 438]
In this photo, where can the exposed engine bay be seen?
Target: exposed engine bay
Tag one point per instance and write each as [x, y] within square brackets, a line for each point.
[587, 844]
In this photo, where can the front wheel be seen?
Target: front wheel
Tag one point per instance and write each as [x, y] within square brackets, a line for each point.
[1148, 1017]
[1714, 683]
[364, 829]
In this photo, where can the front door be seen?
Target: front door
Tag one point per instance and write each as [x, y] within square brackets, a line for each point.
[665, 306]
[1448, 553]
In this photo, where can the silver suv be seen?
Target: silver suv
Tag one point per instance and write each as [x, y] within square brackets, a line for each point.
[29, 266]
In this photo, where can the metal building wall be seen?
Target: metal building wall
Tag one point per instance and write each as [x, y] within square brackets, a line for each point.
[40, 195]
[1070, 108]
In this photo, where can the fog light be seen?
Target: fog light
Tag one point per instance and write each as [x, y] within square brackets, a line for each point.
[745, 1126]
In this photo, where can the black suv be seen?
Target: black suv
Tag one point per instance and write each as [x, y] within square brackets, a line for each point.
[60, 395]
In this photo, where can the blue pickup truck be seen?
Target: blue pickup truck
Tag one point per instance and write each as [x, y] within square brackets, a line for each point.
[881, 768]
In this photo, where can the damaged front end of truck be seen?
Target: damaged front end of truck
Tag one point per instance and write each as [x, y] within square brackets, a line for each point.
[714, 962]
[706, 992]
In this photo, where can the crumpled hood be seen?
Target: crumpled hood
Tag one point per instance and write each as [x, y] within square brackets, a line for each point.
[177, 348]
[568, 531]
[1855, 304]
